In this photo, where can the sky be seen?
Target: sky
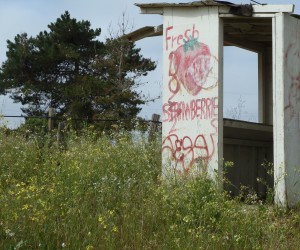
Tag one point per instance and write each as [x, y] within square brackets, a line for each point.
[33, 16]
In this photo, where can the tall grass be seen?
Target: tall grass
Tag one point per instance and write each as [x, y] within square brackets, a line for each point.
[105, 192]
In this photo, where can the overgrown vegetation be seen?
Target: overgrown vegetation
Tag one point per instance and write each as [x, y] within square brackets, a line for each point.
[105, 192]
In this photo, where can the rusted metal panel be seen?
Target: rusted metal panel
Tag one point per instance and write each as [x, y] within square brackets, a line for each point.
[192, 90]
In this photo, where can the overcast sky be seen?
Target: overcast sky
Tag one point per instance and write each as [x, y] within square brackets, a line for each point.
[33, 16]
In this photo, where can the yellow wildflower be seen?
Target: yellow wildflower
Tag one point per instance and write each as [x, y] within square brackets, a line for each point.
[25, 207]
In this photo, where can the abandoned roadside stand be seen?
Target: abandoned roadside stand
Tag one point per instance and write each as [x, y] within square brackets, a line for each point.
[194, 131]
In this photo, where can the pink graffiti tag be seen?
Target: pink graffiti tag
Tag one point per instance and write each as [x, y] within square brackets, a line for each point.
[201, 109]
[186, 151]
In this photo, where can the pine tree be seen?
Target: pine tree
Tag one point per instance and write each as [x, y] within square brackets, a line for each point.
[68, 69]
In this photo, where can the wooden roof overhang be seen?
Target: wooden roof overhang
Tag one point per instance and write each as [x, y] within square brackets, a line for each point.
[251, 31]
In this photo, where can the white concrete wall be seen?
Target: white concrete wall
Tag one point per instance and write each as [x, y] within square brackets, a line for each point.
[192, 90]
[286, 99]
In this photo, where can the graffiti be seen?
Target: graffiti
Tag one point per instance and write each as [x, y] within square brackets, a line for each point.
[190, 74]
[190, 66]
[292, 58]
[293, 98]
[186, 151]
[172, 40]
[202, 108]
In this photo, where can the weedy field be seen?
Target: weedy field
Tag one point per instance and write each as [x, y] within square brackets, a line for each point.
[105, 192]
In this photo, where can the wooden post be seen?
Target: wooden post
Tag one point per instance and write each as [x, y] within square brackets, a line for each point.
[50, 119]
[60, 133]
[153, 127]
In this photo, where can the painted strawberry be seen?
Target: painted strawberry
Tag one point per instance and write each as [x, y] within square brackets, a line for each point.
[190, 65]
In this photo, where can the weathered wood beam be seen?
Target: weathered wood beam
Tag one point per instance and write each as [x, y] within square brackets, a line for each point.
[251, 37]
[159, 11]
[249, 20]
[244, 44]
[148, 31]
[289, 8]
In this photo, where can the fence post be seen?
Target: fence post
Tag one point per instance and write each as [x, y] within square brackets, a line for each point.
[50, 119]
[153, 127]
[60, 133]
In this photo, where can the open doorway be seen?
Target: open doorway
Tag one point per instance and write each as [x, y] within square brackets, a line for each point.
[240, 84]
[248, 131]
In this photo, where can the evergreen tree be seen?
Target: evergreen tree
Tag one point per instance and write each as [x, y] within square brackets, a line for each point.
[68, 69]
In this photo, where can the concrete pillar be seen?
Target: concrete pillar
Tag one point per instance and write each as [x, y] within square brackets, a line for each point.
[286, 99]
[192, 119]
